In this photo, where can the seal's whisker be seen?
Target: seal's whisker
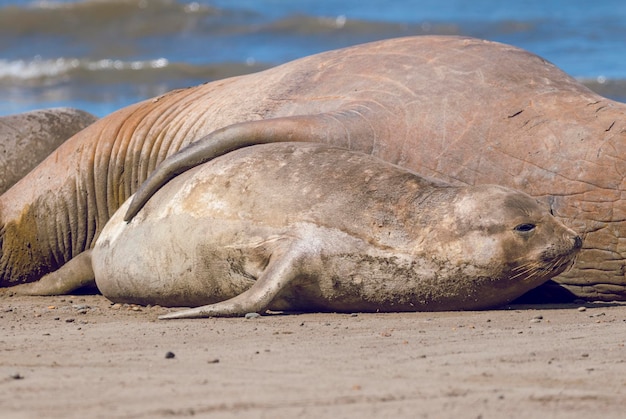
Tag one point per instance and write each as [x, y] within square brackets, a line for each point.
[528, 269]
[532, 269]
[522, 269]
[527, 272]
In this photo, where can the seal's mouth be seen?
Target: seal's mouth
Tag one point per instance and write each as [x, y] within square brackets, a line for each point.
[561, 262]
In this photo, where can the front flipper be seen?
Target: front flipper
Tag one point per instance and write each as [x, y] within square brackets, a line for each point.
[278, 275]
[75, 274]
[339, 128]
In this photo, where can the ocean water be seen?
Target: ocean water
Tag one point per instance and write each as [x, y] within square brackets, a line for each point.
[102, 55]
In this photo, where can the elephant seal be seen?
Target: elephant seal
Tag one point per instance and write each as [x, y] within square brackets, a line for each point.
[462, 110]
[28, 138]
[308, 227]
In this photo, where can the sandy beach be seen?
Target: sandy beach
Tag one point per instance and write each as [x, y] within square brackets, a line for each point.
[82, 356]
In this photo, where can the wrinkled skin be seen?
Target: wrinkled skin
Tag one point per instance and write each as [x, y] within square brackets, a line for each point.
[28, 138]
[308, 227]
[463, 110]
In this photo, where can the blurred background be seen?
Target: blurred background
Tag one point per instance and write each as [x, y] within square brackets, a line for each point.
[102, 55]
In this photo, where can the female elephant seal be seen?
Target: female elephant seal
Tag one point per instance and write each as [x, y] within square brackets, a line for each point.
[310, 227]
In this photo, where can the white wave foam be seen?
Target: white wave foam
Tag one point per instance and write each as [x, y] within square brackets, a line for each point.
[23, 70]
[71, 4]
[39, 68]
[190, 8]
[108, 64]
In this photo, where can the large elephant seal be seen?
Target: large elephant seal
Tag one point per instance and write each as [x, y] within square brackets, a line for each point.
[464, 110]
[28, 138]
[317, 228]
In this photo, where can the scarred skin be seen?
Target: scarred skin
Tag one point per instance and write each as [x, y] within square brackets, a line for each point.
[462, 110]
[308, 227]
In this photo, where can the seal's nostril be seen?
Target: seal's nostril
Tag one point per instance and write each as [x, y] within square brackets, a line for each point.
[578, 242]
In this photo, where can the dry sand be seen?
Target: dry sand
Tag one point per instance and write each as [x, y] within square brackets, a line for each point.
[81, 356]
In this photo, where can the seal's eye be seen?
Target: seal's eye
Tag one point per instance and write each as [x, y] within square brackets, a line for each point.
[524, 228]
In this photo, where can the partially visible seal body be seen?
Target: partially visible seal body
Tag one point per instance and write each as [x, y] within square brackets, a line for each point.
[28, 138]
[311, 227]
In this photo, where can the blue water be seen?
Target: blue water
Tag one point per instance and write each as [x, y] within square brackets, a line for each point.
[103, 55]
